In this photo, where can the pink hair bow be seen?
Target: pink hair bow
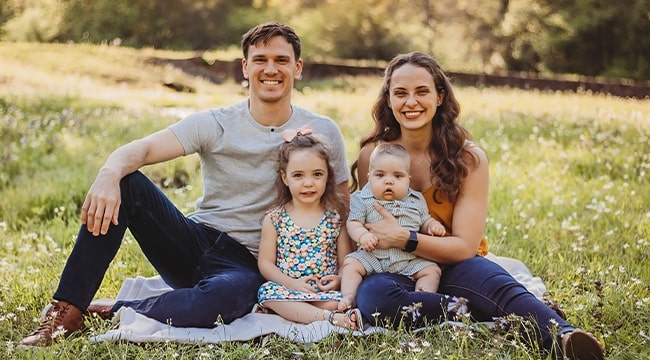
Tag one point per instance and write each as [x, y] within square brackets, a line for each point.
[289, 134]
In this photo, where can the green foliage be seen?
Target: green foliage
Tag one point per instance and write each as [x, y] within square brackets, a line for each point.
[599, 38]
[353, 30]
[588, 37]
[49, 153]
[37, 20]
[183, 24]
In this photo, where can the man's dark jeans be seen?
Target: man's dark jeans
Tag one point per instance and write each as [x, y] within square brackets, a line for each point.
[214, 277]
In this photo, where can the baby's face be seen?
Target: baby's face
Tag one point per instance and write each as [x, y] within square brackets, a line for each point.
[389, 177]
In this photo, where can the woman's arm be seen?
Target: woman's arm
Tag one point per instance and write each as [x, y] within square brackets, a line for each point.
[470, 212]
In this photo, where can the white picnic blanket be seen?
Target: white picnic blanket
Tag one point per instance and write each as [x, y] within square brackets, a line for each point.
[139, 328]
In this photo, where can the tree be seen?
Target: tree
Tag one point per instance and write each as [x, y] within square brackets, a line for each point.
[587, 37]
[30, 20]
[601, 38]
[178, 24]
[370, 30]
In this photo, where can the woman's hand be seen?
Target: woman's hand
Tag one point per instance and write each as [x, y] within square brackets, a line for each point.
[387, 231]
[329, 283]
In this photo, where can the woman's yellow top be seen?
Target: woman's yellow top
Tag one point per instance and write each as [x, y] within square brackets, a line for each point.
[443, 210]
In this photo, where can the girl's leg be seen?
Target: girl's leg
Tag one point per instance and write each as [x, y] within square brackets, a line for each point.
[308, 312]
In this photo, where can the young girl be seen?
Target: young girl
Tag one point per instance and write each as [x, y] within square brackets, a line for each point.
[303, 237]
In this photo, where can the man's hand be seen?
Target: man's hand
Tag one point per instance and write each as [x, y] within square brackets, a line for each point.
[102, 204]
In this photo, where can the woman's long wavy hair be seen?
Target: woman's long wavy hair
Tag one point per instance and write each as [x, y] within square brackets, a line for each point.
[450, 155]
[332, 198]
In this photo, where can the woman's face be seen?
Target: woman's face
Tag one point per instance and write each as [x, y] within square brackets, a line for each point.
[413, 97]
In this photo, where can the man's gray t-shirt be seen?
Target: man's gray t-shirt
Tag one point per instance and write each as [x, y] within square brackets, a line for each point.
[238, 161]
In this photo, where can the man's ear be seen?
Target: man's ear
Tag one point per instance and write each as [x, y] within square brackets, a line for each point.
[299, 65]
[243, 68]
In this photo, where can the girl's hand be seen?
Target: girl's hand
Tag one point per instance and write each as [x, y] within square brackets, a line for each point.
[329, 283]
[303, 284]
[387, 231]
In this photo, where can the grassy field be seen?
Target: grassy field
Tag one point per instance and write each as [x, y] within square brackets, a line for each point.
[569, 197]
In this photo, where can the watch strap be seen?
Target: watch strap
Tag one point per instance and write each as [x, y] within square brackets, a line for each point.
[412, 242]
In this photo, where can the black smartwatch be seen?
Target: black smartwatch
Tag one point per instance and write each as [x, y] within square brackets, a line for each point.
[412, 242]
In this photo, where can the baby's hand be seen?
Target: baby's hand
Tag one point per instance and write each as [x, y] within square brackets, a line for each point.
[368, 241]
[437, 229]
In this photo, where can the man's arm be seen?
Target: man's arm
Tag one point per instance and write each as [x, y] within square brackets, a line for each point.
[102, 203]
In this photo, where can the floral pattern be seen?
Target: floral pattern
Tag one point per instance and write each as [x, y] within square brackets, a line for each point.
[303, 252]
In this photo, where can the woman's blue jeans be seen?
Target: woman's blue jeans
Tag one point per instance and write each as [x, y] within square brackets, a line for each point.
[214, 278]
[490, 290]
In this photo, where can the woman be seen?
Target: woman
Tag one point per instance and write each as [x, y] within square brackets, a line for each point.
[417, 109]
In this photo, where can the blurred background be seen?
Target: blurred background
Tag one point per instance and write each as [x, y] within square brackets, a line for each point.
[600, 38]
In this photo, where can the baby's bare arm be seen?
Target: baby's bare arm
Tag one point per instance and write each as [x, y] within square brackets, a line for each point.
[359, 234]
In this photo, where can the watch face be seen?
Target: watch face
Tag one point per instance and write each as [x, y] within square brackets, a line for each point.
[412, 242]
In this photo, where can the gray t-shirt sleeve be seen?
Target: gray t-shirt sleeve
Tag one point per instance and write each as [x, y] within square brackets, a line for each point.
[196, 132]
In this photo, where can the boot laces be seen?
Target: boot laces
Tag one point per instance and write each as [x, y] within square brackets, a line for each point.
[52, 325]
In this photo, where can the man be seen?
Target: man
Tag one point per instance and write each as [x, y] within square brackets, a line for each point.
[208, 256]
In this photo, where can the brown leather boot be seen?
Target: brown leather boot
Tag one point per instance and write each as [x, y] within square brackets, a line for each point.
[101, 308]
[581, 345]
[59, 321]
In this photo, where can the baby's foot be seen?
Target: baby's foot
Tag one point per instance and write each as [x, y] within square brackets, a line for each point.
[346, 303]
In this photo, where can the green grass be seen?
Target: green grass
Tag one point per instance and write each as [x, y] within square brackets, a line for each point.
[569, 197]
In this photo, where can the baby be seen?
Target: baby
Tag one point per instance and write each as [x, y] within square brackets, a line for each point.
[388, 185]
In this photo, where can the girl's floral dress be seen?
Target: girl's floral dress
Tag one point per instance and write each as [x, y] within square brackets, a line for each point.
[303, 252]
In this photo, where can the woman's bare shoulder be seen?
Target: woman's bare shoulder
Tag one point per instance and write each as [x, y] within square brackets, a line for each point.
[477, 152]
